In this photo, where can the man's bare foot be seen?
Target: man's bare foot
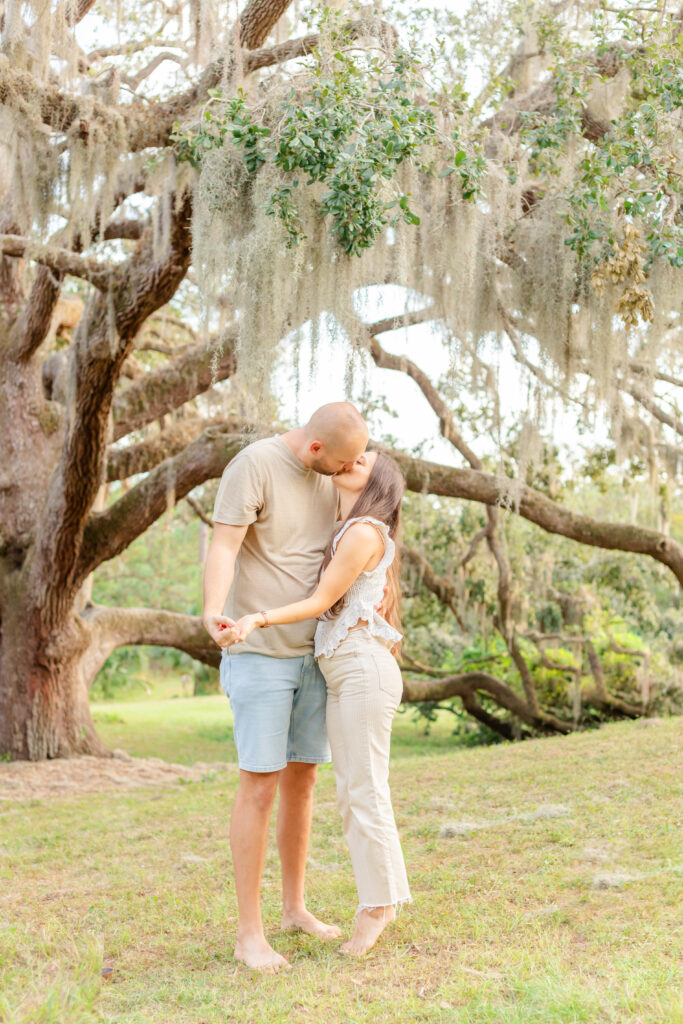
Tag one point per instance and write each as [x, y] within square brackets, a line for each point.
[304, 921]
[260, 956]
[368, 927]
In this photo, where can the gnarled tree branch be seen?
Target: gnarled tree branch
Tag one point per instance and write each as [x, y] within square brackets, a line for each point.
[474, 485]
[469, 683]
[108, 533]
[33, 324]
[647, 402]
[194, 370]
[63, 261]
[118, 627]
[96, 361]
[132, 459]
[152, 125]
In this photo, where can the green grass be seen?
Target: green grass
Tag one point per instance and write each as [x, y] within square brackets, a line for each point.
[185, 730]
[507, 925]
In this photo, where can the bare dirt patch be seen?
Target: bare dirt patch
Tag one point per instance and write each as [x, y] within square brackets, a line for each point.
[28, 780]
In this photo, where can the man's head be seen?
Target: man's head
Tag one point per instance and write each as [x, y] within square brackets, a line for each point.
[335, 436]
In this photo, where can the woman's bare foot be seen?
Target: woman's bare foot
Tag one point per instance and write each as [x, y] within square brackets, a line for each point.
[260, 956]
[304, 921]
[368, 927]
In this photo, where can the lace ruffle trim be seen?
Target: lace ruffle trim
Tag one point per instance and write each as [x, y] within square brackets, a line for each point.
[330, 632]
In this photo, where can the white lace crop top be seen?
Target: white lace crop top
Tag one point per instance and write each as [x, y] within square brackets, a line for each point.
[360, 599]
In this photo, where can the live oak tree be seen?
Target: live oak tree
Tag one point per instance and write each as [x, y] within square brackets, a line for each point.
[271, 176]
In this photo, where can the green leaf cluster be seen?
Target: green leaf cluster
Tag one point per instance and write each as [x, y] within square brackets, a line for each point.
[357, 123]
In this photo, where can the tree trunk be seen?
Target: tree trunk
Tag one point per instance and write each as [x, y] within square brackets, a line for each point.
[44, 670]
[44, 684]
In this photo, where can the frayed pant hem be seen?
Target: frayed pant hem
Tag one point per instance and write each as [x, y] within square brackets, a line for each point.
[383, 906]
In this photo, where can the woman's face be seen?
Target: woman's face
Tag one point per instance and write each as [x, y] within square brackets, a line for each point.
[353, 480]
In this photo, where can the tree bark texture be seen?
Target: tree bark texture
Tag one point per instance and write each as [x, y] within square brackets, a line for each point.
[57, 461]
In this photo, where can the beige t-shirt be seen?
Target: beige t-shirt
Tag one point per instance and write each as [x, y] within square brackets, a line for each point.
[291, 513]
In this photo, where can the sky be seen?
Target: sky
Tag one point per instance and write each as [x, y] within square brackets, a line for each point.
[324, 379]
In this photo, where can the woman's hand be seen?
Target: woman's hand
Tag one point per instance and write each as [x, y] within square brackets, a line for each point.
[244, 626]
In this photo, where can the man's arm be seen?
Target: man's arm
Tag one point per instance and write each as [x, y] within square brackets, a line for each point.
[218, 576]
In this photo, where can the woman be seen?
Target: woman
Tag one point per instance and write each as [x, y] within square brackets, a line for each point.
[354, 645]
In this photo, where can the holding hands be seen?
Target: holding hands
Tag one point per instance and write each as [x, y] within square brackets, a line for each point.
[247, 623]
[221, 629]
[226, 632]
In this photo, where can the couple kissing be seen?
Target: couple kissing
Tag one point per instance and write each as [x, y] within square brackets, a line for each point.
[301, 594]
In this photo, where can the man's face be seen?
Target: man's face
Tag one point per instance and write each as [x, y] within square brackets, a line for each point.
[328, 461]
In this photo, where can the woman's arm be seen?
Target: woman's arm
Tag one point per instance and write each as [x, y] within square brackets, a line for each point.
[359, 545]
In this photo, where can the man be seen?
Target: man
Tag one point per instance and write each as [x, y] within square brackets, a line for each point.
[276, 508]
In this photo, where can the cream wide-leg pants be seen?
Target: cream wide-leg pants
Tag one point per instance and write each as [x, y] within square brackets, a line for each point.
[364, 690]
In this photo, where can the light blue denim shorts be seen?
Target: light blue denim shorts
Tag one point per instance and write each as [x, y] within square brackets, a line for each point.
[278, 707]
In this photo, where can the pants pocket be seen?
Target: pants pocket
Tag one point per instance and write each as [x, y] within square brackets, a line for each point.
[388, 675]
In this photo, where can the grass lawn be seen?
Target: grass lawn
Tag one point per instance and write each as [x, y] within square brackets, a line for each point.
[553, 899]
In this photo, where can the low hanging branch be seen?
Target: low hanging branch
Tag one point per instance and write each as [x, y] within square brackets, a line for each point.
[120, 627]
[132, 459]
[108, 533]
[470, 683]
[474, 485]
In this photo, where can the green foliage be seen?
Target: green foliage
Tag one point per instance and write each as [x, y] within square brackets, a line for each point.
[361, 118]
[232, 119]
[633, 170]
[629, 608]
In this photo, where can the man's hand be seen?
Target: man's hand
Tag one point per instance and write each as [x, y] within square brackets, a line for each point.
[221, 629]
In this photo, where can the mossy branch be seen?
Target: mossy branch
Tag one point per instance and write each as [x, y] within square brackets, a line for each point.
[109, 533]
[132, 459]
[103, 339]
[151, 126]
[63, 261]
[194, 370]
[474, 485]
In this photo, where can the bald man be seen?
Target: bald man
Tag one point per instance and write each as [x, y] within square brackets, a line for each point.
[276, 508]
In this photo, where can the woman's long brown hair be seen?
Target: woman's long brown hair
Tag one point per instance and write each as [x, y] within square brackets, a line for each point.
[381, 499]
